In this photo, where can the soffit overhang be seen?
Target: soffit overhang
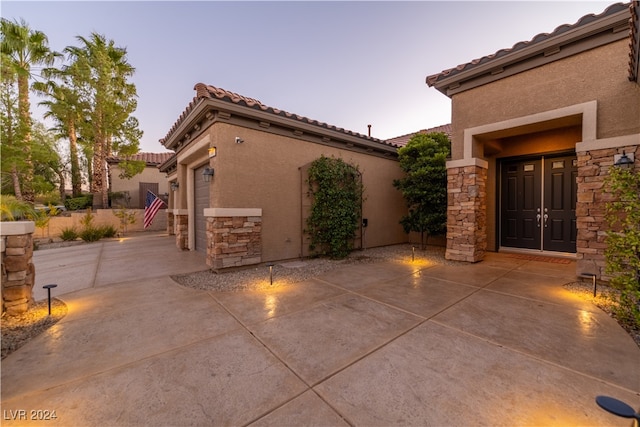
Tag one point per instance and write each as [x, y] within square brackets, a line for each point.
[206, 110]
[588, 33]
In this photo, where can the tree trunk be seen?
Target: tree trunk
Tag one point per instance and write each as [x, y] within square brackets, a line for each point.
[15, 177]
[61, 186]
[25, 132]
[76, 180]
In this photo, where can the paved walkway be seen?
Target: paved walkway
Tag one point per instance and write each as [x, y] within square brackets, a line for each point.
[495, 343]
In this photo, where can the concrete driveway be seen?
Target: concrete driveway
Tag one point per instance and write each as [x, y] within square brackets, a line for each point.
[495, 343]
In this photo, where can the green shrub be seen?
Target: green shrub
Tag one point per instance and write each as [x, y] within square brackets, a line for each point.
[108, 231]
[336, 190]
[91, 234]
[77, 203]
[622, 254]
[69, 234]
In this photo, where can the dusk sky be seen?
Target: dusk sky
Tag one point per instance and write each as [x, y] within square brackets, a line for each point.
[348, 64]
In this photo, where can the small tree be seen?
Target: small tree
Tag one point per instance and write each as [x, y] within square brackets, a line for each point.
[623, 242]
[335, 187]
[424, 187]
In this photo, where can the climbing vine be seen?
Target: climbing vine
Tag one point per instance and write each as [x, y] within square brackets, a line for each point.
[623, 242]
[336, 190]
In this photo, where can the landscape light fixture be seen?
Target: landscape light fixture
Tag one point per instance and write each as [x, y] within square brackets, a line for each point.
[175, 186]
[624, 161]
[207, 174]
[48, 288]
[270, 265]
[413, 253]
[617, 407]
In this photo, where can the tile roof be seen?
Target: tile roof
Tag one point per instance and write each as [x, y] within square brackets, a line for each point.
[152, 159]
[401, 141]
[614, 8]
[205, 92]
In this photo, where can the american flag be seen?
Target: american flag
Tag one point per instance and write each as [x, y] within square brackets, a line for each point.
[152, 205]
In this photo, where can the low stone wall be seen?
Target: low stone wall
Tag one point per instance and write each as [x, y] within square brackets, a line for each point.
[18, 271]
[466, 213]
[233, 237]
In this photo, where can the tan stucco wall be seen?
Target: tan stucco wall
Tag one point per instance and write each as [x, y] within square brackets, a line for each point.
[263, 172]
[149, 174]
[101, 217]
[599, 74]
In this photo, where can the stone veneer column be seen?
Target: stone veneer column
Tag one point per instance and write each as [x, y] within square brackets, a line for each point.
[234, 237]
[466, 211]
[170, 225]
[18, 271]
[181, 228]
[593, 168]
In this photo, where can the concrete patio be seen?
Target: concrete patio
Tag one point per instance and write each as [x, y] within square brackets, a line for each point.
[495, 343]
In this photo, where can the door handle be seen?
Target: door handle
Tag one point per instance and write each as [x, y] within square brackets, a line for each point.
[546, 217]
[538, 218]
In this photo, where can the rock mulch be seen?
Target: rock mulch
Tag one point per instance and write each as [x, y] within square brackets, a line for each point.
[605, 299]
[293, 271]
[19, 330]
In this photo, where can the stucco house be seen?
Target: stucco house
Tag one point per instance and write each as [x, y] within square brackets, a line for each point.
[535, 129]
[134, 189]
[238, 179]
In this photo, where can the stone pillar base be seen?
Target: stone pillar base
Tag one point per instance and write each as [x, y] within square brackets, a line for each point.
[18, 271]
[466, 213]
[234, 237]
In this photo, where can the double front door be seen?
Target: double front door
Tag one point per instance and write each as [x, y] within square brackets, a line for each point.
[538, 203]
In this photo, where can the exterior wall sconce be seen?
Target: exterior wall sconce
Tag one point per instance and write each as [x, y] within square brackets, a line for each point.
[207, 174]
[175, 186]
[239, 140]
[623, 161]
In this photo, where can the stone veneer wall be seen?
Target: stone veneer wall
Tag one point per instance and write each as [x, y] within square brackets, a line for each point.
[466, 213]
[18, 271]
[181, 222]
[233, 239]
[593, 168]
[170, 224]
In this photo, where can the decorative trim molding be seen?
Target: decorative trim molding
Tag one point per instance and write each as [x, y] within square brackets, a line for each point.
[13, 228]
[474, 161]
[614, 142]
[588, 110]
[217, 212]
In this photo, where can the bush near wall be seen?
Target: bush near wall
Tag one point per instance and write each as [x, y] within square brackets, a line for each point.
[103, 217]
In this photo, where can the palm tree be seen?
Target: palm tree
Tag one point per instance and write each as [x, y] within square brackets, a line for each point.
[24, 48]
[65, 108]
[102, 71]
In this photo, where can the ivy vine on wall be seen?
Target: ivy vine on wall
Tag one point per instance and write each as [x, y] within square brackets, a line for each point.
[336, 190]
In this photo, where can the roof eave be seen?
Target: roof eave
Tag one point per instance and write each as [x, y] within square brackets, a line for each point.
[215, 106]
[610, 25]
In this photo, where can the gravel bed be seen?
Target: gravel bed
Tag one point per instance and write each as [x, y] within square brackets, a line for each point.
[293, 271]
[19, 330]
[605, 299]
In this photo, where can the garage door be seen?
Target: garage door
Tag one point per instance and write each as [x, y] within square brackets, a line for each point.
[201, 203]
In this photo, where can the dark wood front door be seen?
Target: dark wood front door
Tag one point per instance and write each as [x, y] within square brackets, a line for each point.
[538, 202]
